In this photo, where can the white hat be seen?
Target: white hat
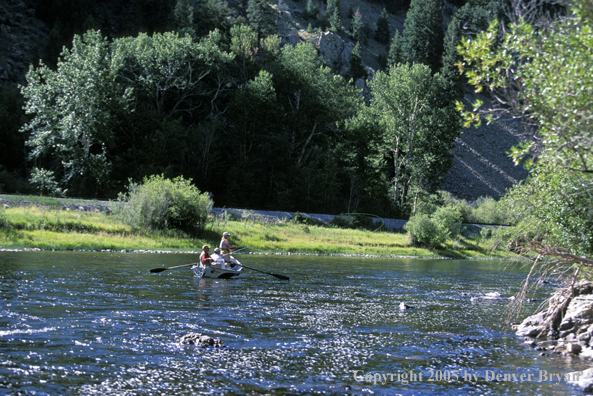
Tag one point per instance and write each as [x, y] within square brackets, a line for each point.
[226, 234]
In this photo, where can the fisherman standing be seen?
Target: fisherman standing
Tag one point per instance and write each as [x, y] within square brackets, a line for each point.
[225, 247]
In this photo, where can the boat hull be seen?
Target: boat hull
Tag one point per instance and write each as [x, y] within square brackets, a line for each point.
[217, 272]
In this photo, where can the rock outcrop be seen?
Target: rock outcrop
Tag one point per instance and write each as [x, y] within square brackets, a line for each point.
[566, 324]
[565, 327]
[335, 52]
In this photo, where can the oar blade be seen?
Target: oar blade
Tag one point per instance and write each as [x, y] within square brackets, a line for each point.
[283, 277]
[154, 270]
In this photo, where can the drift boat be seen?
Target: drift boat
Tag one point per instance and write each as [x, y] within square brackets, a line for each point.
[219, 269]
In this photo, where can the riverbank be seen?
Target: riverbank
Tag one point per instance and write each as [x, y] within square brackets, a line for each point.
[47, 227]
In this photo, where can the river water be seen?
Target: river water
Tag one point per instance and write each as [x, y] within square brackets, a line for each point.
[80, 323]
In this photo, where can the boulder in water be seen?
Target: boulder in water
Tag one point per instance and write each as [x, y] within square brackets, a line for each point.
[203, 341]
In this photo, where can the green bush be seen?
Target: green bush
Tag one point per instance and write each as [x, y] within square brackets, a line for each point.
[300, 218]
[425, 231]
[340, 222]
[356, 221]
[486, 210]
[44, 181]
[449, 218]
[164, 204]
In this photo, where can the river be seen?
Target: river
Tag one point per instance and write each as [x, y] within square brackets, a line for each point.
[83, 323]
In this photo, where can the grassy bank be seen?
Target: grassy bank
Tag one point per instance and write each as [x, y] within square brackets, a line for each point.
[50, 228]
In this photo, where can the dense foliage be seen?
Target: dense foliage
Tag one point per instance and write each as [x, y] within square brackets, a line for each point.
[213, 96]
[540, 70]
[423, 35]
[416, 130]
[163, 204]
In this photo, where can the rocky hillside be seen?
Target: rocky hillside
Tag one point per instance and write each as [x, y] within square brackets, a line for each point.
[481, 166]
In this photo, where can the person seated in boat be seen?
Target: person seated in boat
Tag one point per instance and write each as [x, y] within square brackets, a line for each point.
[205, 258]
[217, 260]
[225, 247]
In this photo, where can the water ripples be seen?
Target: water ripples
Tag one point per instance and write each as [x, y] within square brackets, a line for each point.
[84, 324]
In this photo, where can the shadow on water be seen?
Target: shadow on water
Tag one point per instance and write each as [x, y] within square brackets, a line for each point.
[100, 323]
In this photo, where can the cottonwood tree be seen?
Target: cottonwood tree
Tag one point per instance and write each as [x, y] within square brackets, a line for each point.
[538, 68]
[131, 101]
[417, 133]
[73, 112]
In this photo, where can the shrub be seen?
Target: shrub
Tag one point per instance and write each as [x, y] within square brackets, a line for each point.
[300, 218]
[356, 221]
[340, 222]
[449, 218]
[486, 210]
[43, 180]
[163, 204]
[424, 231]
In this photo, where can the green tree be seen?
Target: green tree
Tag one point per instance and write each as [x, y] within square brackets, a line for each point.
[261, 17]
[383, 33]
[183, 17]
[423, 33]
[211, 15]
[335, 15]
[133, 101]
[244, 46]
[357, 28]
[396, 50]
[255, 114]
[315, 104]
[73, 111]
[174, 74]
[453, 89]
[540, 71]
[311, 9]
[356, 66]
[416, 133]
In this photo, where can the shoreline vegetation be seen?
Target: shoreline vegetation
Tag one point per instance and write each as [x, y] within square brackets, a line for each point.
[44, 225]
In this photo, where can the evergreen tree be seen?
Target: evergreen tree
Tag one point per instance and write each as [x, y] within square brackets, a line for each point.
[311, 9]
[358, 27]
[261, 17]
[183, 16]
[382, 34]
[335, 15]
[356, 66]
[453, 82]
[322, 21]
[423, 34]
[395, 50]
[212, 14]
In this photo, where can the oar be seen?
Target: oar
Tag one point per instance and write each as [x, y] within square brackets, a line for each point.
[283, 277]
[168, 268]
